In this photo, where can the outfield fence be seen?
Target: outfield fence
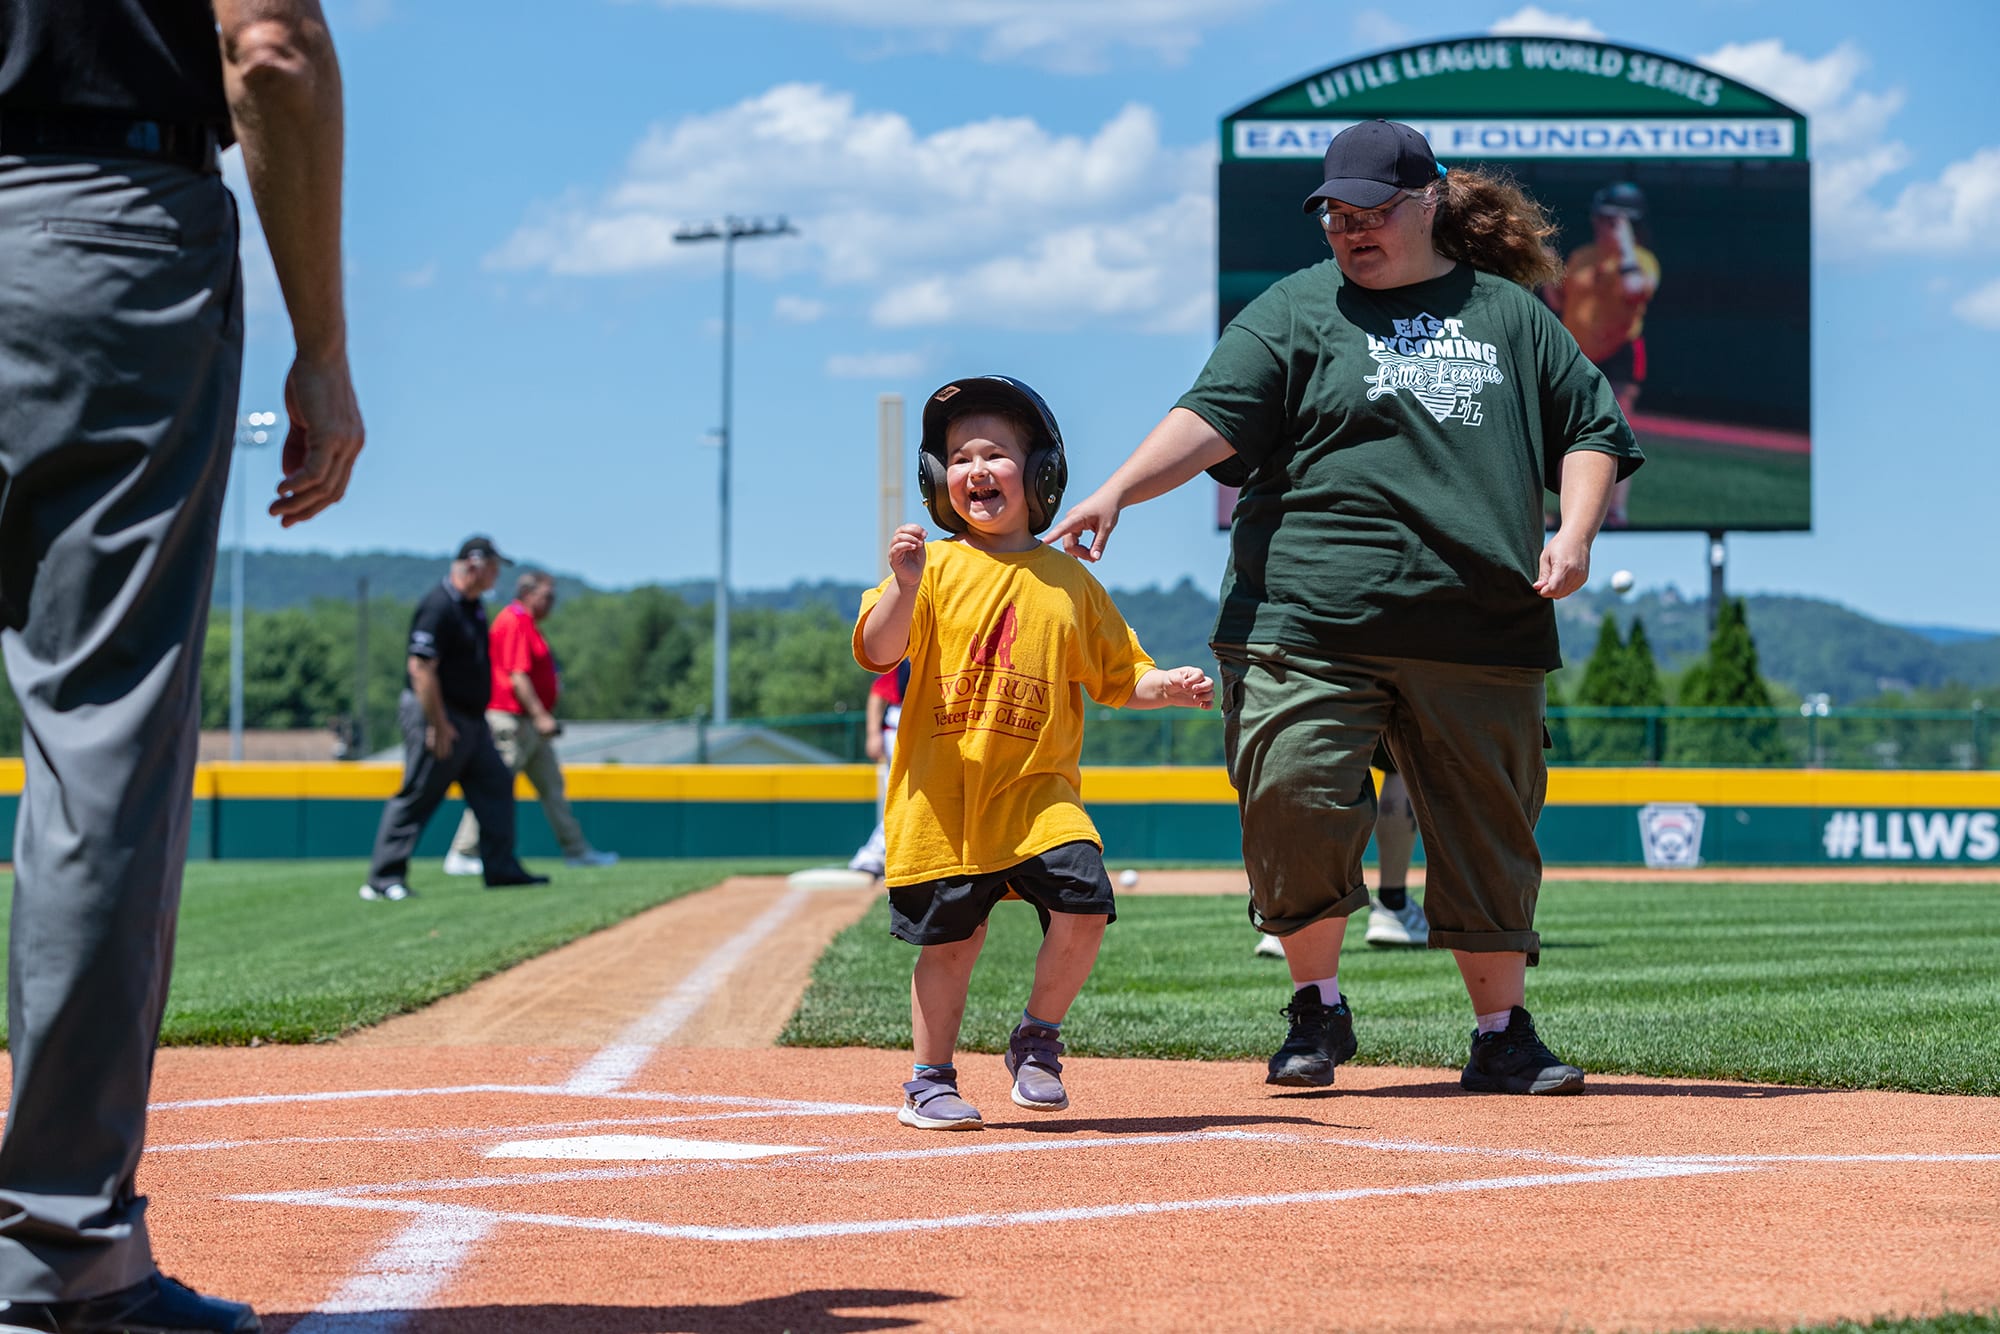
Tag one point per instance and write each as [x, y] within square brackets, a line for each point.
[1805, 738]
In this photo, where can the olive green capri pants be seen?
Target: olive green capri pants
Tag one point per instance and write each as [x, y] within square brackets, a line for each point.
[1299, 730]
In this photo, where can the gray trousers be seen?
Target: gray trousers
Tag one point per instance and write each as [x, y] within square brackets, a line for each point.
[475, 765]
[121, 344]
[527, 751]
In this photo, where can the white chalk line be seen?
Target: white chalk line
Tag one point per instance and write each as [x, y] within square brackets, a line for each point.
[1029, 1217]
[435, 1134]
[572, 1175]
[416, 1265]
[422, 1258]
[523, 1090]
[621, 1061]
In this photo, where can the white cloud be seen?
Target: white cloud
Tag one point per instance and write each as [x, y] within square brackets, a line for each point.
[1854, 157]
[1069, 35]
[419, 277]
[993, 222]
[1980, 307]
[1534, 21]
[1375, 27]
[798, 309]
[875, 365]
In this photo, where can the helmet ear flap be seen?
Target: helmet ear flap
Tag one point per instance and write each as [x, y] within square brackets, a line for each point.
[1045, 477]
[935, 489]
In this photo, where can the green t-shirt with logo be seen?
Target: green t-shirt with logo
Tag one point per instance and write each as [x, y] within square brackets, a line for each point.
[1396, 445]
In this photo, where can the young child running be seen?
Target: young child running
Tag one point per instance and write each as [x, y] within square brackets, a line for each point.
[1004, 637]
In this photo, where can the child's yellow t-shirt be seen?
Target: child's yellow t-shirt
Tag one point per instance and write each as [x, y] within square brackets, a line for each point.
[1003, 647]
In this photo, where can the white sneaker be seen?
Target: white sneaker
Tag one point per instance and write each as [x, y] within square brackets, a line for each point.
[457, 863]
[592, 857]
[395, 892]
[1269, 947]
[1391, 928]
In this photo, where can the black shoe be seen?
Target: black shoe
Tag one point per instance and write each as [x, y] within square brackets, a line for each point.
[515, 878]
[1321, 1037]
[157, 1306]
[1514, 1060]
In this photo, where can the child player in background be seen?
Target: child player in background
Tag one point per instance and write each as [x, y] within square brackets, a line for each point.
[1004, 636]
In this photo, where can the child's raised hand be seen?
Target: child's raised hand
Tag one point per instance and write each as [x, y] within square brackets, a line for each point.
[906, 555]
[1189, 687]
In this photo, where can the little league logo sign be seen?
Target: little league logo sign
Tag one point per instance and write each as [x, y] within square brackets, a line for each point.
[1670, 832]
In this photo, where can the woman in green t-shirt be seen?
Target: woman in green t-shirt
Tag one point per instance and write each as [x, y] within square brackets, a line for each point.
[1392, 417]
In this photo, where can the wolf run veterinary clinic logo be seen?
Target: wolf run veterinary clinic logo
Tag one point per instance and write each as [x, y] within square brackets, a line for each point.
[1433, 359]
[988, 695]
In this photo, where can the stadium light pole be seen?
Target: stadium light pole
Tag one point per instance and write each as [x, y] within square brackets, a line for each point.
[253, 429]
[729, 231]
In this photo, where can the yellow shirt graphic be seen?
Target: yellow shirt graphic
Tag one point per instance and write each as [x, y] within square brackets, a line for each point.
[1003, 647]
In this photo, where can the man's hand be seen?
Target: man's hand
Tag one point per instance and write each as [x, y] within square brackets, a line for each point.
[906, 555]
[323, 442]
[873, 745]
[546, 724]
[1096, 514]
[1565, 566]
[441, 738]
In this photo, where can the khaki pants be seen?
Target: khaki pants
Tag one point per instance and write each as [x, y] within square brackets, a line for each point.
[527, 752]
[1299, 730]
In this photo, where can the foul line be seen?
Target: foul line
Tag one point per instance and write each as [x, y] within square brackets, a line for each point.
[422, 1259]
[620, 1062]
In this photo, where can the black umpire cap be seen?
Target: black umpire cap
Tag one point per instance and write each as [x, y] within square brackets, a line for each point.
[480, 547]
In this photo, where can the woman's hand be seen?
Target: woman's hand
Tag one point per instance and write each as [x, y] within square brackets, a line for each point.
[1565, 565]
[1096, 514]
[1160, 688]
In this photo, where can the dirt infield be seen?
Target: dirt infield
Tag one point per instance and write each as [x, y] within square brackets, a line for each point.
[613, 1173]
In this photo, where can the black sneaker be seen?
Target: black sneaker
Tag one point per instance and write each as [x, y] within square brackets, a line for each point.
[1321, 1037]
[1514, 1060]
[157, 1306]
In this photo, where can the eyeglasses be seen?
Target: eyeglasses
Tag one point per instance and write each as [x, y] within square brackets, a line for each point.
[1367, 220]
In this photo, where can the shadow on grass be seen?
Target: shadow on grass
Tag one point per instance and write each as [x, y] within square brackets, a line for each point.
[1147, 1125]
[821, 1311]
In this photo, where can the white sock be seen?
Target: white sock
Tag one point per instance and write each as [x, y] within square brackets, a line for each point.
[1494, 1023]
[1329, 989]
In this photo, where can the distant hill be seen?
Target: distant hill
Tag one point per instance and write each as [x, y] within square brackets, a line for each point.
[1805, 644]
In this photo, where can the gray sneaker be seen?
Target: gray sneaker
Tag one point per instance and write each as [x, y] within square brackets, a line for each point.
[932, 1103]
[1032, 1054]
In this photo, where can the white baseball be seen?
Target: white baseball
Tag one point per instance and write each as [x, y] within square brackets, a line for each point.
[1622, 582]
[1128, 877]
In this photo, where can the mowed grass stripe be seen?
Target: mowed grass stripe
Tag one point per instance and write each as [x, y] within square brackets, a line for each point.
[288, 952]
[1827, 985]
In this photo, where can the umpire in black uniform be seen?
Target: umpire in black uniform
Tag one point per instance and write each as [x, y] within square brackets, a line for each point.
[121, 342]
[445, 737]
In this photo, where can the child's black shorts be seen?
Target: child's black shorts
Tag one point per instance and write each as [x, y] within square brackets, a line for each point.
[1068, 878]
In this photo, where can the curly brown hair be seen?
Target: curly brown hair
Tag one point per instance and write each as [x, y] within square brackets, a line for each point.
[1487, 220]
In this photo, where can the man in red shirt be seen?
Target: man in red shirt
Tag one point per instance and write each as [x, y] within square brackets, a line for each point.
[521, 714]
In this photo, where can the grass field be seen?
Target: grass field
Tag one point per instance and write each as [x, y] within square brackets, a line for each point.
[287, 952]
[1836, 986]
[1694, 484]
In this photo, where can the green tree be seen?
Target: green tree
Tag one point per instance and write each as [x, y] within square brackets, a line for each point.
[1621, 674]
[289, 677]
[1727, 678]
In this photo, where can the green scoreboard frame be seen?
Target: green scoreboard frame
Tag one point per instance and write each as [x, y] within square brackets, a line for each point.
[1716, 375]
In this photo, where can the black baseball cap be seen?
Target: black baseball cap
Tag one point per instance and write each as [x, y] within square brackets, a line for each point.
[1367, 164]
[481, 547]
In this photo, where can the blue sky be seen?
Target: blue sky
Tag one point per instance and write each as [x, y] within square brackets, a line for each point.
[1027, 186]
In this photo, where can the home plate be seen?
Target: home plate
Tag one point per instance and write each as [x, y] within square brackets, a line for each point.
[830, 877]
[640, 1148]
